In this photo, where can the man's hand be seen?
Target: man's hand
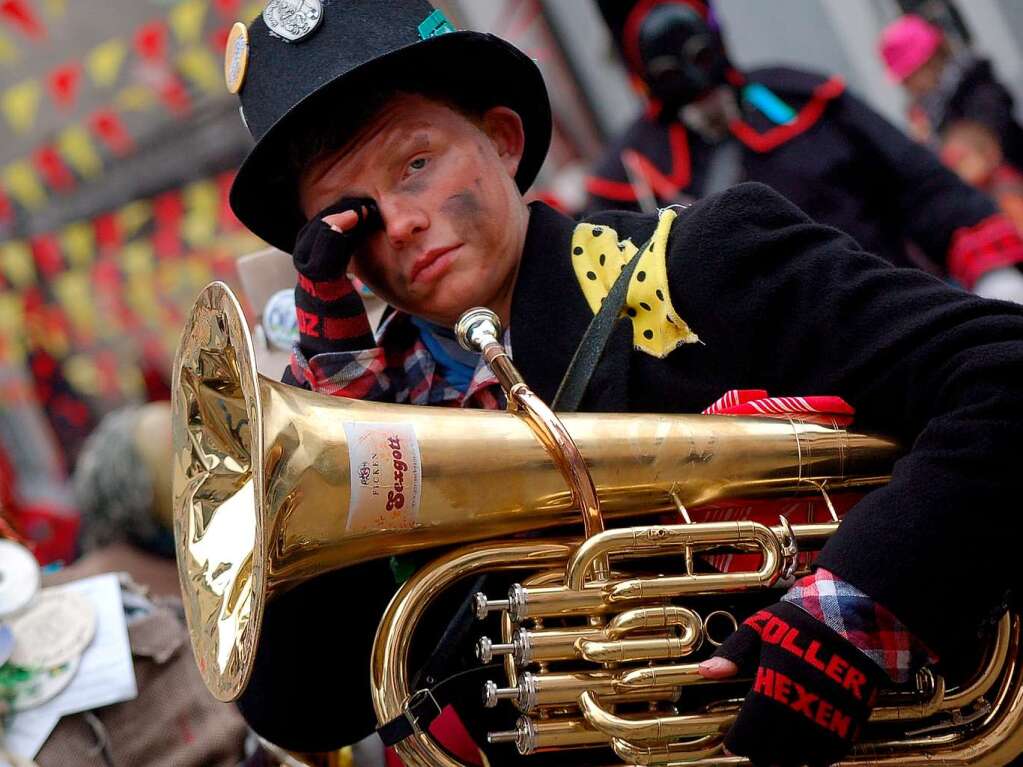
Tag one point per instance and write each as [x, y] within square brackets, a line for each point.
[326, 244]
[812, 689]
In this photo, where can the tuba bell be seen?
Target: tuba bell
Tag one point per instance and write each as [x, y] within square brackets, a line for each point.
[274, 485]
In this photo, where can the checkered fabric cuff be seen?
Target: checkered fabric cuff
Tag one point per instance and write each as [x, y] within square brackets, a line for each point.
[976, 250]
[868, 626]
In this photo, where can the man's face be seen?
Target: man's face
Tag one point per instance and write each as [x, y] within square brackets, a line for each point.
[453, 219]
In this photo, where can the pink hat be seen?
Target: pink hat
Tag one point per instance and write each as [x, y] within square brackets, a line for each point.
[906, 45]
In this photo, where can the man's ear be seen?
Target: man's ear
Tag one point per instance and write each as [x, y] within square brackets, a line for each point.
[503, 127]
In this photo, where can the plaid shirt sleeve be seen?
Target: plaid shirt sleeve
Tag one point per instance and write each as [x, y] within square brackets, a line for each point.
[865, 624]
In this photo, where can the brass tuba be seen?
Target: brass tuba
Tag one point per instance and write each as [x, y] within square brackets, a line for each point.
[274, 485]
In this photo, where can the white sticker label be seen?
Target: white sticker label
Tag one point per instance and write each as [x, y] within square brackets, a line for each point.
[386, 476]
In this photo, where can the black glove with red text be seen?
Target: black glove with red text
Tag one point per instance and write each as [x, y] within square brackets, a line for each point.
[812, 689]
[331, 315]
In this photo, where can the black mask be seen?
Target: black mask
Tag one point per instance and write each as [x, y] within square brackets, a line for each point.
[682, 57]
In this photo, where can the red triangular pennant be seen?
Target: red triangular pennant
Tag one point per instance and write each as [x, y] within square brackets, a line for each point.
[19, 15]
[52, 168]
[106, 232]
[168, 210]
[108, 127]
[175, 97]
[227, 8]
[63, 84]
[46, 253]
[151, 40]
[6, 209]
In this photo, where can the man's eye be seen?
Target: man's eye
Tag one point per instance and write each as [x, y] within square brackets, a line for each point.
[418, 164]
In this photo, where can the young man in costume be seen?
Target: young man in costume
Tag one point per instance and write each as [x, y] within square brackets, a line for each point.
[394, 148]
[707, 126]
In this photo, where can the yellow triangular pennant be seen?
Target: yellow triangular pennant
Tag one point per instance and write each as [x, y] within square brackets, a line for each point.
[20, 103]
[134, 98]
[104, 62]
[23, 185]
[75, 145]
[56, 9]
[133, 217]
[8, 50]
[12, 327]
[17, 265]
[74, 292]
[137, 259]
[186, 20]
[79, 244]
[198, 65]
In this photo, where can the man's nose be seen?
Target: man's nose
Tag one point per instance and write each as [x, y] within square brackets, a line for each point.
[403, 220]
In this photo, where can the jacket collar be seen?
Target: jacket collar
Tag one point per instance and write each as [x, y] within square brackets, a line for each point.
[550, 315]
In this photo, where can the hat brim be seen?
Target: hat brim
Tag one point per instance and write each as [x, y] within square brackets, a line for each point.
[264, 193]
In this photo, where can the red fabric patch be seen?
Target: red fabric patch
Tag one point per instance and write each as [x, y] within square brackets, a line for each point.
[52, 168]
[46, 253]
[808, 116]
[978, 249]
[151, 40]
[107, 126]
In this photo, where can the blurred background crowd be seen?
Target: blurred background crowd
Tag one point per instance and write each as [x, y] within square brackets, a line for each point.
[118, 143]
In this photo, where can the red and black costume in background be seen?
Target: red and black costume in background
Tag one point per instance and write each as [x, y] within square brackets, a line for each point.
[838, 160]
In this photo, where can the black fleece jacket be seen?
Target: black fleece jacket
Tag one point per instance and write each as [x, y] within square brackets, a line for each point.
[783, 304]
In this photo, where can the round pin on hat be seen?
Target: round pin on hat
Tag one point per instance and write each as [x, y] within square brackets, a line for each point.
[19, 577]
[236, 57]
[293, 19]
[53, 630]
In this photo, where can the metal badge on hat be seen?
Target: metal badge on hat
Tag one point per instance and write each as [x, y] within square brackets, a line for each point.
[236, 57]
[293, 19]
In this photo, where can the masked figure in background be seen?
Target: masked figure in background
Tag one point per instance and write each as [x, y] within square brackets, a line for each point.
[707, 126]
[958, 108]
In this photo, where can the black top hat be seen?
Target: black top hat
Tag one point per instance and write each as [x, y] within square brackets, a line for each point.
[306, 57]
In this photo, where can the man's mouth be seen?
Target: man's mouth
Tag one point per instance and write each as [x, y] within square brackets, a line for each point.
[431, 264]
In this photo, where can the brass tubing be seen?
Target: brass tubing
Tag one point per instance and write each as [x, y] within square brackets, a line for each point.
[913, 711]
[663, 538]
[535, 691]
[679, 675]
[627, 650]
[986, 679]
[389, 663]
[655, 728]
[531, 735]
[634, 753]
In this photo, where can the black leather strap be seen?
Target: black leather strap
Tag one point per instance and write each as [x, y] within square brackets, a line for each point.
[591, 347]
[423, 706]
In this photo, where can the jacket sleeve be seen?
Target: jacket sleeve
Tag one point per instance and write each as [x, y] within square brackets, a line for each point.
[797, 308]
[957, 227]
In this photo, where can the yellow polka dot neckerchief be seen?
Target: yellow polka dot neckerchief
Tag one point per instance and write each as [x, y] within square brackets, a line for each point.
[598, 257]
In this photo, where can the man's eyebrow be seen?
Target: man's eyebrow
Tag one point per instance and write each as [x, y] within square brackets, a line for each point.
[405, 144]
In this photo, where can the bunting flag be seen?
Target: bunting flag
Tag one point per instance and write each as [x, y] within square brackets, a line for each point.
[63, 84]
[51, 167]
[16, 264]
[186, 19]
[228, 9]
[134, 98]
[111, 131]
[19, 15]
[167, 214]
[202, 200]
[20, 103]
[46, 255]
[174, 96]
[74, 293]
[12, 330]
[22, 184]
[56, 9]
[104, 62]
[133, 216]
[151, 41]
[6, 211]
[8, 51]
[200, 66]
[107, 232]
[78, 243]
[77, 149]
